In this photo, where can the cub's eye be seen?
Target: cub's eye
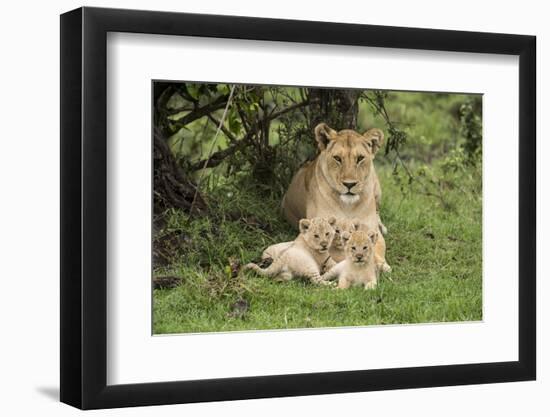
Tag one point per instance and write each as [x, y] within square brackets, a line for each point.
[337, 159]
[353, 248]
[327, 233]
[360, 158]
[337, 231]
[316, 236]
[364, 248]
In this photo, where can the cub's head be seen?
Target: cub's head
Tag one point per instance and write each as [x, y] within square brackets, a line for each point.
[318, 232]
[346, 159]
[343, 230]
[360, 246]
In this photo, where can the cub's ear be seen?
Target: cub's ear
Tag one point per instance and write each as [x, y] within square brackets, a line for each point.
[375, 139]
[373, 236]
[331, 220]
[323, 135]
[304, 225]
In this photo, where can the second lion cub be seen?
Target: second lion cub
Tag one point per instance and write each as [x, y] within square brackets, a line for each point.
[359, 267]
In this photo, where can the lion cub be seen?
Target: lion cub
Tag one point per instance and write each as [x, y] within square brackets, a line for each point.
[306, 255]
[359, 266]
[342, 232]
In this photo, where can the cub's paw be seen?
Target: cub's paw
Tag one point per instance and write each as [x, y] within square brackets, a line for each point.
[283, 277]
[324, 282]
[370, 285]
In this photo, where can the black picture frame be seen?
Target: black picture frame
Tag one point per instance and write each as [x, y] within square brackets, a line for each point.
[84, 207]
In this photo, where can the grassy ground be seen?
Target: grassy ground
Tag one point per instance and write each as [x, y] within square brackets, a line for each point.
[434, 250]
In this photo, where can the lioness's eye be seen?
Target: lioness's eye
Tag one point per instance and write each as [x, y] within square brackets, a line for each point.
[360, 158]
[317, 236]
[327, 233]
[338, 159]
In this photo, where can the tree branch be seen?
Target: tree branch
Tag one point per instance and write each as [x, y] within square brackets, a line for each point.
[217, 104]
[225, 131]
[217, 157]
[304, 103]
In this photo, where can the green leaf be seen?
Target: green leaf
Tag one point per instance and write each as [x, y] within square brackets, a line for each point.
[234, 122]
[223, 89]
[193, 90]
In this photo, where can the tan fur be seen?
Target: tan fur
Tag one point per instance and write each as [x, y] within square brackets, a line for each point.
[359, 267]
[318, 189]
[306, 255]
[379, 250]
[274, 251]
[342, 232]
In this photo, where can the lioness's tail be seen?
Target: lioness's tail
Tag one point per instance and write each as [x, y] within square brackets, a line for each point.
[270, 271]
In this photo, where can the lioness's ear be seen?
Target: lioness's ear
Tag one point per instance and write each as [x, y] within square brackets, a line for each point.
[375, 139]
[331, 220]
[373, 236]
[323, 135]
[356, 224]
[304, 225]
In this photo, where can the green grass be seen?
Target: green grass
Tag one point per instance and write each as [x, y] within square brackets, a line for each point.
[435, 253]
[434, 244]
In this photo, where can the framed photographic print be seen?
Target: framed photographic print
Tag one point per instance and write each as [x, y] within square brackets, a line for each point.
[257, 208]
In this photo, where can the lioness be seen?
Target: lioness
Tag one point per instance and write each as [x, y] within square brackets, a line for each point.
[341, 181]
[306, 255]
[359, 266]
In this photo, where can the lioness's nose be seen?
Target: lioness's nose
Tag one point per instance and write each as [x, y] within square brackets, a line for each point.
[349, 184]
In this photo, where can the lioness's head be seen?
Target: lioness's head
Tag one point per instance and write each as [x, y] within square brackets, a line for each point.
[342, 231]
[346, 159]
[360, 246]
[318, 232]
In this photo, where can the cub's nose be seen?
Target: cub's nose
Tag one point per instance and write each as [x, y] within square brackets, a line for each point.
[324, 245]
[359, 257]
[349, 184]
